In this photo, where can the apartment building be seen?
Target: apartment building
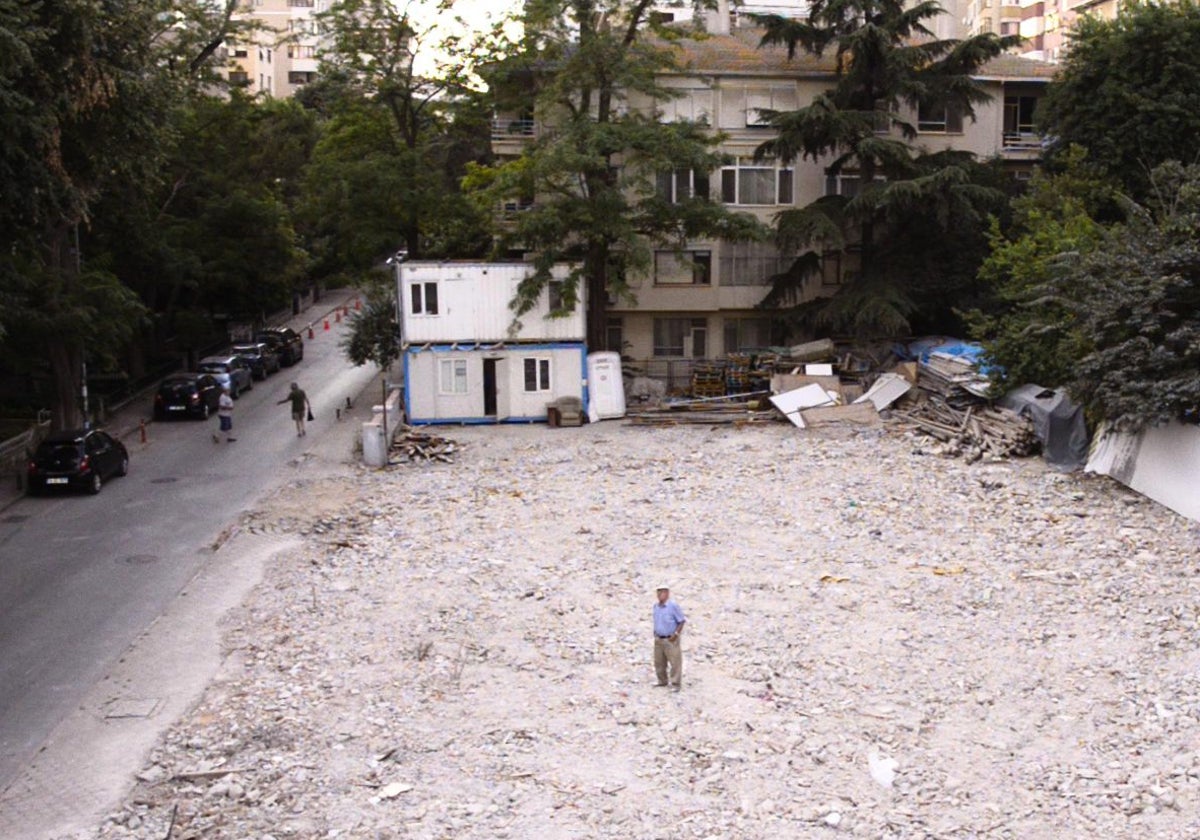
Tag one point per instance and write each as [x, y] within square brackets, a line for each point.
[282, 55]
[1045, 25]
[703, 303]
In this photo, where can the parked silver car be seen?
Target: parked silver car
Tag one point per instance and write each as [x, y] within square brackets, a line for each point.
[233, 372]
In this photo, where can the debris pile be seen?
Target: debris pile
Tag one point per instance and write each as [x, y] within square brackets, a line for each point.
[735, 409]
[424, 446]
[979, 430]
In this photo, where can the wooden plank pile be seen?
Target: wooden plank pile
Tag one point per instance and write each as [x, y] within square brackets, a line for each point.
[734, 409]
[424, 446]
[956, 379]
[977, 431]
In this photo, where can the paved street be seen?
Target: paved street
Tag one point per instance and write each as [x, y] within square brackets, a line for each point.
[81, 577]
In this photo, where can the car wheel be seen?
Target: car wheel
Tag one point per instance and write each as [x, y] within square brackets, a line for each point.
[96, 485]
[250, 384]
[34, 490]
[123, 467]
[234, 393]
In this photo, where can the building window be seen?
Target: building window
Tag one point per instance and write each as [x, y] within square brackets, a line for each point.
[304, 4]
[747, 334]
[452, 377]
[301, 51]
[939, 119]
[241, 52]
[680, 337]
[537, 375]
[759, 101]
[614, 335]
[756, 184]
[424, 298]
[846, 184]
[690, 268]
[752, 263]
[239, 77]
[300, 77]
[678, 185]
[684, 105]
[1018, 117]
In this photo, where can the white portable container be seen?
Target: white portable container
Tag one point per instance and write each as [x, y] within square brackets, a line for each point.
[606, 389]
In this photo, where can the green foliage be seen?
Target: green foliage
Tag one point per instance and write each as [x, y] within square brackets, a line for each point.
[386, 174]
[1026, 326]
[1136, 298]
[1129, 91]
[591, 174]
[374, 333]
[916, 226]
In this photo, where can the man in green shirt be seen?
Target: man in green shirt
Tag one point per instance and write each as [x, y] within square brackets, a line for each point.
[300, 407]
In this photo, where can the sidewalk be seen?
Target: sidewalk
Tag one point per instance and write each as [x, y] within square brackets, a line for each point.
[125, 420]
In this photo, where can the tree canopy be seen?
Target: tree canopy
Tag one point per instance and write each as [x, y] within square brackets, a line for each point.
[888, 63]
[592, 174]
[1129, 91]
[1136, 299]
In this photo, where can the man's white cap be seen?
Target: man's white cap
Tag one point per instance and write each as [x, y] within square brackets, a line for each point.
[661, 587]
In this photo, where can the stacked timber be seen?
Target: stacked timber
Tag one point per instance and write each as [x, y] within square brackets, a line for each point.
[977, 431]
[424, 446]
[954, 378]
[734, 409]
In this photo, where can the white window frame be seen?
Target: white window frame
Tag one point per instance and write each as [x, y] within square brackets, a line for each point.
[542, 369]
[691, 105]
[678, 185]
[452, 377]
[735, 183]
[945, 120]
[688, 268]
[774, 98]
[418, 298]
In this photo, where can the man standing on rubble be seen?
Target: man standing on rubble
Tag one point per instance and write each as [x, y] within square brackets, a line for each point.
[668, 650]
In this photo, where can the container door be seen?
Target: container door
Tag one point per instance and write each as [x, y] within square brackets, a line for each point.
[496, 404]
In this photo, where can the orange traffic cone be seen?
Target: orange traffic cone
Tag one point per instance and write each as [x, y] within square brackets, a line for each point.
[357, 304]
[338, 316]
[310, 331]
[326, 324]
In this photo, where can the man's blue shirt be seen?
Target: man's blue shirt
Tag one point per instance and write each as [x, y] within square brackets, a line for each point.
[667, 618]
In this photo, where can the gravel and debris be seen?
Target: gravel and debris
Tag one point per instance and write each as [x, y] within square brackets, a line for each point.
[881, 643]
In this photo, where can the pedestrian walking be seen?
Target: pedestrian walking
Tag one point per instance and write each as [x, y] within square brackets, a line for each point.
[225, 416]
[301, 409]
[668, 649]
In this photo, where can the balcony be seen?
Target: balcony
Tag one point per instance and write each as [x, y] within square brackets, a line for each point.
[1022, 144]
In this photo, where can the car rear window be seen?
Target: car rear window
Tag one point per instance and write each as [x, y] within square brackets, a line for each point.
[57, 450]
[215, 367]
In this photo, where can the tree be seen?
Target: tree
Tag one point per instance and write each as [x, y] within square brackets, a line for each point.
[1028, 331]
[1136, 298]
[374, 333]
[404, 124]
[87, 91]
[1129, 91]
[886, 57]
[592, 172]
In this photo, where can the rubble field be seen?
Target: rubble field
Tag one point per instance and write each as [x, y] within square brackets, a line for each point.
[882, 642]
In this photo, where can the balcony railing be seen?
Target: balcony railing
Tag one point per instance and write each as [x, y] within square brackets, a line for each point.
[503, 129]
[1022, 141]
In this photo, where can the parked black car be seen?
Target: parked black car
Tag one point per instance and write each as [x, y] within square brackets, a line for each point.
[187, 394]
[77, 458]
[285, 341]
[261, 358]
